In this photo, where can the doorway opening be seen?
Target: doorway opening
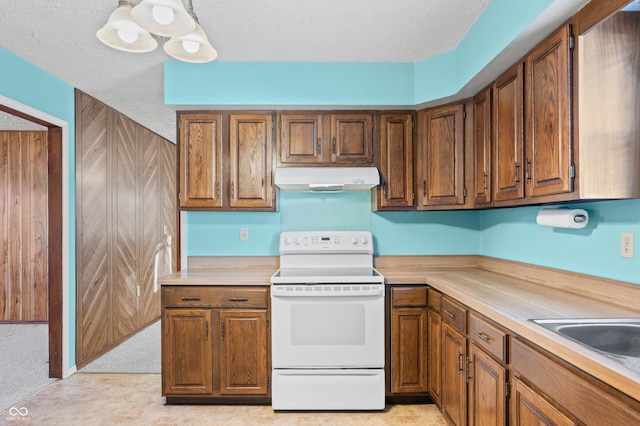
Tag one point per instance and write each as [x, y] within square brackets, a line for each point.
[54, 247]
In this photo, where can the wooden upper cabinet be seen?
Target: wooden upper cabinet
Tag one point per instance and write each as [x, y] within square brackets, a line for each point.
[201, 160]
[301, 139]
[482, 147]
[548, 130]
[396, 161]
[508, 137]
[442, 155]
[251, 167]
[351, 138]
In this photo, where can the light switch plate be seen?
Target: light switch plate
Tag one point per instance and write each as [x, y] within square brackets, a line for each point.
[244, 234]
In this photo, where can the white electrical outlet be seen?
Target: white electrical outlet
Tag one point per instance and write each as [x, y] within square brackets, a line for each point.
[626, 245]
[244, 234]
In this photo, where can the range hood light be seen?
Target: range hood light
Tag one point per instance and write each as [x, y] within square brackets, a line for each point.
[326, 179]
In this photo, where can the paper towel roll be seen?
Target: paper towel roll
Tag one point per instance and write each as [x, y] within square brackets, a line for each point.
[563, 218]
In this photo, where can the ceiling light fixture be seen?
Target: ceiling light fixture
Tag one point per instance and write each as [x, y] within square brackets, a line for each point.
[132, 28]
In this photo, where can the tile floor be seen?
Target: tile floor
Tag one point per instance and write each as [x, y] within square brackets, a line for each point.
[105, 399]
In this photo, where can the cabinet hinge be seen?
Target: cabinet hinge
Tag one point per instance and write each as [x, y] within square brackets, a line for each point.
[572, 42]
[268, 382]
[507, 389]
[413, 123]
[464, 112]
[572, 171]
[222, 334]
[273, 125]
[464, 192]
[267, 322]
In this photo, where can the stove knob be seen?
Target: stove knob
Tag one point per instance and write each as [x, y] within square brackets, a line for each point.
[287, 241]
[364, 240]
[354, 241]
[298, 241]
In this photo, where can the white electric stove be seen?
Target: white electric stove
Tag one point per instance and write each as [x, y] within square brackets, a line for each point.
[327, 323]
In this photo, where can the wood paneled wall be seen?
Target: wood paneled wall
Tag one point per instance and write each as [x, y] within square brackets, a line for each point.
[126, 209]
[23, 226]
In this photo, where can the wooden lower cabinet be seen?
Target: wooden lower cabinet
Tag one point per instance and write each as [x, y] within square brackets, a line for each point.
[187, 354]
[454, 379]
[215, 344]
[408, 369]
[243, 351]
[434, 354]
[532, 408]
[486, 389]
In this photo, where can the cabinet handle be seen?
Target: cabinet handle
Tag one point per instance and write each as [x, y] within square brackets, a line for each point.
[238, 299]
[468, 376]
[459, 362]
[424, 188]
[334, 146]
[319, 146]
[233, 190]
[222, 334]
[484, 337]
[484, 182]
[449, 314]
[516, 171]
[190, 299]
[218, 189]
[528, 171]
[206, 330]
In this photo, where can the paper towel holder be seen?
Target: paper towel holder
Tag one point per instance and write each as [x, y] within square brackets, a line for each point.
[563, 218]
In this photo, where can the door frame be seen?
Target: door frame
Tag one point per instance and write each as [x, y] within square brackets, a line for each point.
[59, 226]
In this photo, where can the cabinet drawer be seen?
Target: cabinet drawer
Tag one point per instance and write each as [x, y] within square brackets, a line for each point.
[454, 313]
[435, 299]
[212, 296]
[488, 336]
[408, 296]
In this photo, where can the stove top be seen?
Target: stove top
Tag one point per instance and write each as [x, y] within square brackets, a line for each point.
[327, 276]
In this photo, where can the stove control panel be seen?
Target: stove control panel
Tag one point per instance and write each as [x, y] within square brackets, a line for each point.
[326, 242]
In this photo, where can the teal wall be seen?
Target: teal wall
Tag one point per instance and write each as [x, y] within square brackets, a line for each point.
[595, 250]
[395, 233]
[357, 84]
[29, 85]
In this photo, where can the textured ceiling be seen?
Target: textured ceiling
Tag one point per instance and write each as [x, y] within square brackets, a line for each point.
[59, 37]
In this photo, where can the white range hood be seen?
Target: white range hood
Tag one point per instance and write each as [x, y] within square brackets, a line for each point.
[326, 178]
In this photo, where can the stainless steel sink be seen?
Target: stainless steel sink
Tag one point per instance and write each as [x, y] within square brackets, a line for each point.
[617, 338]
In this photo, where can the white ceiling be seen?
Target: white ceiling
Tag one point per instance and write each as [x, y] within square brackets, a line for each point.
[59, 37]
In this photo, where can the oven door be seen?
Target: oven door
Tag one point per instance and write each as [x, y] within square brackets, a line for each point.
[327, 326]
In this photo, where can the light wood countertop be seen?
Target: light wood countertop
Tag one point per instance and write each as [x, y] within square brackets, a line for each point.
[512, 302]
[509, 293]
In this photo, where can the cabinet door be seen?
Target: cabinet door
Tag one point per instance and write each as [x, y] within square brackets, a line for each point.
[482, 147]
[396, 160]
[187, 352]
[454, 378]
[487, 384]
[508, 142]
[251, 145]
[243, 352]
[531, 408]
[548, 129]
[352, 138]
[300, 138]
[434, 355]
[408, 350]
[442, 158]
[200, 160]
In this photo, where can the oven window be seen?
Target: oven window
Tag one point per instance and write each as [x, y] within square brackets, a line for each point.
[328, 324]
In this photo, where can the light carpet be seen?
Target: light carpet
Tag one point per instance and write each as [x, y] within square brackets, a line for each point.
[138, 354]
[24, 362]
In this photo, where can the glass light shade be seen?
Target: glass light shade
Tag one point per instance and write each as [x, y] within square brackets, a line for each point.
[122, 33]
[193, 47]
[172, 18]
